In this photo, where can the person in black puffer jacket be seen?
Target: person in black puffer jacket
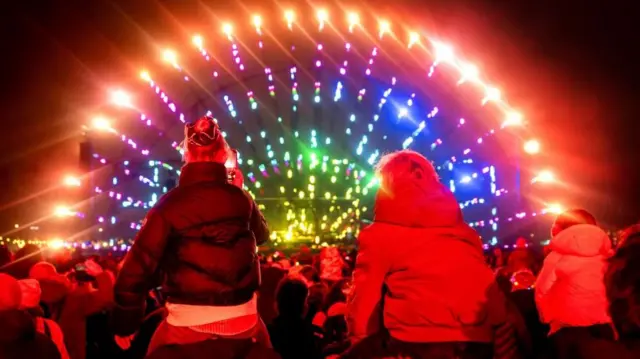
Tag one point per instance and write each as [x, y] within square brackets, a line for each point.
[199, 243]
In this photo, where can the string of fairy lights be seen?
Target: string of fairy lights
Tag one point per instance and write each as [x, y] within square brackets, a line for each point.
[308, 146]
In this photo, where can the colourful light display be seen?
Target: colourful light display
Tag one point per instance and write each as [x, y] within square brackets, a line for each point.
[313, 110]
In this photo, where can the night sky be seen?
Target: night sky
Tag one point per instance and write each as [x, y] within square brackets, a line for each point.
[570, 66]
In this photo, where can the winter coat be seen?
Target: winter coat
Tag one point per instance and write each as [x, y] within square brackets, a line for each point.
[198, 242]
[570, 289]
[422, 269]
[20, 340]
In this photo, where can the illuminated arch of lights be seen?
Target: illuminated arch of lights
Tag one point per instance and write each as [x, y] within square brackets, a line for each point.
[311, 104]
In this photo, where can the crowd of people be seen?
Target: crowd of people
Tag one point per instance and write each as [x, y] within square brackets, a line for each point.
[420, 285]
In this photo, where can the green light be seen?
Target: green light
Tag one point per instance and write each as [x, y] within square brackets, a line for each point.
[254, 105]
[327, 195]
[248, 138]
[250, 162]
[279, 119]
[263, 134]
[258, 184]
[301, 194]
[270, 154]
[336, 169]
[327, 141]
[281, 189]
[281, 141]
[312, 179]
[289, 173]
[333, 179]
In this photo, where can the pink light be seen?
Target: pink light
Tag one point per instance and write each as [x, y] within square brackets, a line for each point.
[318, 63]
[320, 47]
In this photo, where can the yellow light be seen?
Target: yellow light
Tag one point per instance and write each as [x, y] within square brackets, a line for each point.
[198, 41]
[62, 211]
[323, 15]
[121, 98]
[469, 72]
[56, 243]
[491, 94]
[555, 208]
[444, 52]
[354, 19]
[290, 16]
[532, 147]
[145, 75]
[513, 119]
[545, 176]
[385, 27]
[227, 28]
[257, 21]
[72, 181]
[170, 56]
[101, 124]
[414, 38]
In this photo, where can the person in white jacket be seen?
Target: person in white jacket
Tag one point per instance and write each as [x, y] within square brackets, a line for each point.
[570, 292]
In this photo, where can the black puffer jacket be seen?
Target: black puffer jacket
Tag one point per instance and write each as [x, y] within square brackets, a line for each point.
[198, 242]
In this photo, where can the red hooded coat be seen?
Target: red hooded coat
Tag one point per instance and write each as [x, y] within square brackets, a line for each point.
[421, 269]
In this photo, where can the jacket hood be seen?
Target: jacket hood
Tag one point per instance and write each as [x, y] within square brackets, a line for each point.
[16, 325]
[418, 207]
[584, 240]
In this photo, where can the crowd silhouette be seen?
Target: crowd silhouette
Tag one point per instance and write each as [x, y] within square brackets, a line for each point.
[419, 285]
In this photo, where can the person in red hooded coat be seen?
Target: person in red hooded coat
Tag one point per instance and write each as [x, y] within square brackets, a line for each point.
[420, 273]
